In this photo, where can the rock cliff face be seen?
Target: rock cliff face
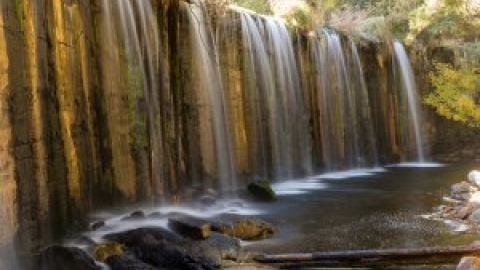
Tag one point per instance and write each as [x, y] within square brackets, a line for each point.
[70, 140]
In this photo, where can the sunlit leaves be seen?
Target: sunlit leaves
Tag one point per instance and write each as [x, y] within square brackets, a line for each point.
[456, 93]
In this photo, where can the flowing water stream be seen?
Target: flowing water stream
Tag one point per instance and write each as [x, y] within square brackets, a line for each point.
[408, 85]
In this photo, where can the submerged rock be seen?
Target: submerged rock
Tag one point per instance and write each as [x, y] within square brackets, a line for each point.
[61, 258]
[96, 225]
[136, 215]
[85, 241]
[469, 263]
[262, 190]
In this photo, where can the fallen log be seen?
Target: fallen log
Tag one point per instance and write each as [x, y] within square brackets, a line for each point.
[357, 258]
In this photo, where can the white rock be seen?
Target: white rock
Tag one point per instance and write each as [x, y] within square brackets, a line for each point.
[469, 263]
[475, 198]
[474, 177]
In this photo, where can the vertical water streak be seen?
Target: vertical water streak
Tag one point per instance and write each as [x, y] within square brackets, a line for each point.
[272, 77]
[208, 69]
[409, 86]
[131, 37]
[345, 125]
[258, 83]
[369, 140]
[289, 90]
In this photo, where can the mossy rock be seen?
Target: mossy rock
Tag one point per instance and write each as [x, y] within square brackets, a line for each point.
[108, 249]
[262, 190]
[248, 229]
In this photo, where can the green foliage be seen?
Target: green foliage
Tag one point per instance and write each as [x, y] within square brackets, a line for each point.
[456, 93]
[259, 6]
[300, 17]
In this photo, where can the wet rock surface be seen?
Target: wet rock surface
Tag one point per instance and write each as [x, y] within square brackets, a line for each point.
[191, 227]
[469, 263]
[461, 208]
[248, 229]
[61, 258]
[262, 190]
[190, 243]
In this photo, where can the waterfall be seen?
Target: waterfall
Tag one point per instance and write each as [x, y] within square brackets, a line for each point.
[130, 67]
[276, 99]
[369, 151]
[347, 137]
[408, 86]
[207, 69]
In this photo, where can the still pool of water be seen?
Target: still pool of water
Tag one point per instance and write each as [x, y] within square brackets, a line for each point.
[357, 209]
[377, 209]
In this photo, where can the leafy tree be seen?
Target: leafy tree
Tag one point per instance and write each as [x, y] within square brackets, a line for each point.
[260, 6]
[456, 93]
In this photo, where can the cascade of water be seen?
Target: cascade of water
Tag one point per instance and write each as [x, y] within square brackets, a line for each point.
[409, 89]
[290, 92]
[345, 122]
[364, 115]
[208, 73]
[259, 86]
[272, 79]
[130, 37]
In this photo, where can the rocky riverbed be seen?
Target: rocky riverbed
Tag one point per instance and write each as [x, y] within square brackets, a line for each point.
[207, 236]
[461, 210]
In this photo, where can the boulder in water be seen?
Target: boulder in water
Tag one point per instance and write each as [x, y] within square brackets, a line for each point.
[262, 190]
[96, 225]
[217, 247]
[465, 211]
[474, 177]
[107, 249]
[461, 191]
[140, 236]
[156, 247]
[475, 216]
[128, 262]
[191, 227]
[469, 263]
[136, 215]
[61, 258]
[248, 229]
[475, 198]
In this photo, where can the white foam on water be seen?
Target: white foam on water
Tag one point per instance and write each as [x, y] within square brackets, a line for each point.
[117, 223]
[417, 165]
[297, 187]
[302, 186]
[350, 173]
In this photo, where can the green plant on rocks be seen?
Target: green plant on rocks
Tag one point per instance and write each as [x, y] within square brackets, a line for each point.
[107, 249]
